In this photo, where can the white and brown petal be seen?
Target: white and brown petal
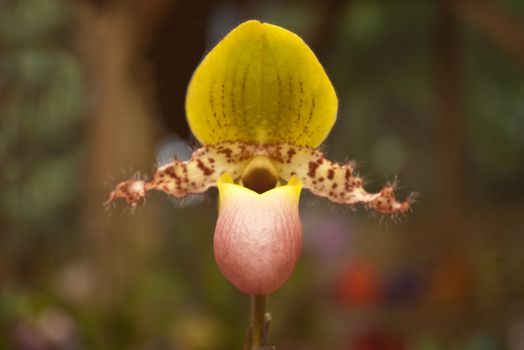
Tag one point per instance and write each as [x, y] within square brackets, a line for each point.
[323, 177]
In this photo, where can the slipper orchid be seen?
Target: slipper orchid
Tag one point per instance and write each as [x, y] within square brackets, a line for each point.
[261, 104]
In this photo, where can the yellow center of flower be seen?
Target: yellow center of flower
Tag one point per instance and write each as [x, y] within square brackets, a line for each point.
[260, 175]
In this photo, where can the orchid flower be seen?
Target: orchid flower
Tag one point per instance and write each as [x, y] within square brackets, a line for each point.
[261, 104]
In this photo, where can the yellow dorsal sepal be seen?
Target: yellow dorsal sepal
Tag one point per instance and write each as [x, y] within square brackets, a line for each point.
[261, 84]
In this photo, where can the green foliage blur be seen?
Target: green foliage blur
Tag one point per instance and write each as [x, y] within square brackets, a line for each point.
[431, 93]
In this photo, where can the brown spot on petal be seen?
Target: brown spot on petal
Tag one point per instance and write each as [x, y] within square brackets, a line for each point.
[290, 153]
[348, 174]
[207, 171]
[227, 152]
[313, 166]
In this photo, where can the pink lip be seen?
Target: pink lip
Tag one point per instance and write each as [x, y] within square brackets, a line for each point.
[258, 237]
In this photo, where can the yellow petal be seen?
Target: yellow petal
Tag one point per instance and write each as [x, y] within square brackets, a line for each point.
[258, 237]
[261, 84]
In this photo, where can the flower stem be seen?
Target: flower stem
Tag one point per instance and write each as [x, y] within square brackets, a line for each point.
[256, 333]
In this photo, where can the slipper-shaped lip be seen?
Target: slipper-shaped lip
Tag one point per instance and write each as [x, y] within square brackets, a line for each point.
[258, 237]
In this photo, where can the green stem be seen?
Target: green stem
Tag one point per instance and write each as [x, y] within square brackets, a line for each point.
[258, 319]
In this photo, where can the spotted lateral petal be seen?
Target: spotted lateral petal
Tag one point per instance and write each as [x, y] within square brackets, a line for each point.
[326, 178]
[196, 175]
[321, 176]
[261, 84]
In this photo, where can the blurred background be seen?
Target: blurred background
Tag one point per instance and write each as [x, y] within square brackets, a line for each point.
[431, 92]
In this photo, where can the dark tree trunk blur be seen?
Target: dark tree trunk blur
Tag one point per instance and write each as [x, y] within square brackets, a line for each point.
[121, 137]
[499, 25]
[139, 56]
[449, 90]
